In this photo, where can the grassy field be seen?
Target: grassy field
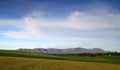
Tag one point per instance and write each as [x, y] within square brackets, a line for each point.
[18, 63]
[98, 59]
[13, 53]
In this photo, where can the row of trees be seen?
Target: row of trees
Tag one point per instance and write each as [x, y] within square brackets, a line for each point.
[91, 54]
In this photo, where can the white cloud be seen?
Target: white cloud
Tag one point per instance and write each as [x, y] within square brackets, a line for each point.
[11, 22]
[16, 45]
[83, 21]
[33, 26]
[18, 35]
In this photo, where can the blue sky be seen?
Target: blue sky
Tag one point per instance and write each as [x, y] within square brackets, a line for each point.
[60, 24]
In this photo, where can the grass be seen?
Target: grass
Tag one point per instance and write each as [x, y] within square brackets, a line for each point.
[18, 63]
[28, 54]
[98, 59]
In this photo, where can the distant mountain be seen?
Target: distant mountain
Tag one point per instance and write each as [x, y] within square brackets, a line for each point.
[64, 51]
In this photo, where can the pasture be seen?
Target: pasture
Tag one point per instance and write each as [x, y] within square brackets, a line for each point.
[20, 63]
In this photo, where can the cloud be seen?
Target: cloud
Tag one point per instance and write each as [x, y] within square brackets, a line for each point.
[16, 45]
[17, 35]
[84, 21]
[34, 26]
[11, 22]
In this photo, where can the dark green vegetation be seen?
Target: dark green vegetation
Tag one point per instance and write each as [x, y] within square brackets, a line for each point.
[98, 59]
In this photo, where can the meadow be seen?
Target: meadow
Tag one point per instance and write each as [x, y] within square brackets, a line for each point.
[20, 63]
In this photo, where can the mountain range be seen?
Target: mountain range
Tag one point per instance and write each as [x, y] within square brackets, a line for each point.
[64, 51]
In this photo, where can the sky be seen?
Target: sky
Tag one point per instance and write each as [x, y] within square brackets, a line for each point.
[60, 24]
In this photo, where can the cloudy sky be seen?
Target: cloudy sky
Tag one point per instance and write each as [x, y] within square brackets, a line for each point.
[60, 24]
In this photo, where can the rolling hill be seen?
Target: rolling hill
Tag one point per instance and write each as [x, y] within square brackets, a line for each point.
[64, 51]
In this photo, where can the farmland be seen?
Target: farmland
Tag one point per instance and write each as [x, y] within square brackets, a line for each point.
[17, 63]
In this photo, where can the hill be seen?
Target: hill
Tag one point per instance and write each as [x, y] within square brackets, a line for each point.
[64, 51]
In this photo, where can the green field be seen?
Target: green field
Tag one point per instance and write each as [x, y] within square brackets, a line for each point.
[97, 59]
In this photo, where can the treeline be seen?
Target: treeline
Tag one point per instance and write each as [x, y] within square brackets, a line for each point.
[91, 54]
